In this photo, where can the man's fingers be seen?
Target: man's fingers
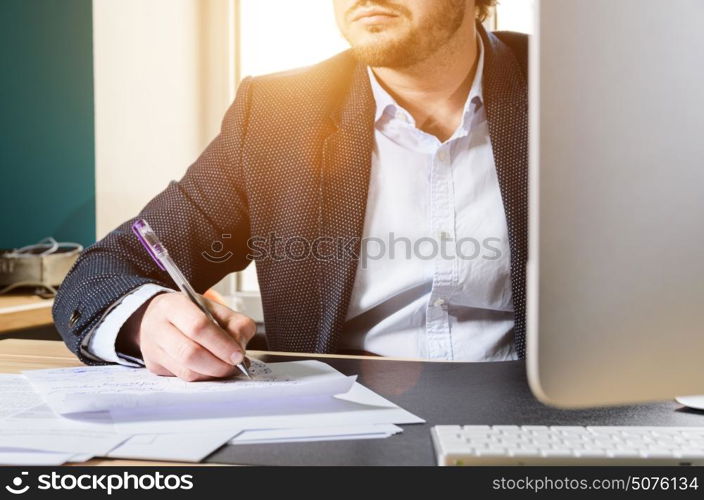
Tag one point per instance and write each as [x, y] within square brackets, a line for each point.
[194, 324]
[237, 325]
[178, 370]
[175, 369]
[192, 360]
[157, 368]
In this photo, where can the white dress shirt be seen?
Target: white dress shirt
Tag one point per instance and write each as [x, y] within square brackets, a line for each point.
[438, 301]
[455, 306]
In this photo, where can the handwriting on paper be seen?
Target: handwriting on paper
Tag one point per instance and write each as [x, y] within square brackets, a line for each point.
[98, 388]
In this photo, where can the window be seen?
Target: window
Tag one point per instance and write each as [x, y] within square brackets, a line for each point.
[515, 15]
[277, 35]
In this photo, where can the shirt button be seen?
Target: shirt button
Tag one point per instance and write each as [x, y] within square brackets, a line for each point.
[443, 155]
[400, 115]
[439, 303]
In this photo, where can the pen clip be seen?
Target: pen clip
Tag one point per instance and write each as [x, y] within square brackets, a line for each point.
[147, 238]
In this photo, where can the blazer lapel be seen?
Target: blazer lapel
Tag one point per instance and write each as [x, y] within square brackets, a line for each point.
[506, 96]
[347, 154]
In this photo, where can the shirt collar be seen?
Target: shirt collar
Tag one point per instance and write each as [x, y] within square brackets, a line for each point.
[385, 102]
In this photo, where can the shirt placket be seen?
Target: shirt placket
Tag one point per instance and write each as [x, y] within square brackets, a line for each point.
[438, 343]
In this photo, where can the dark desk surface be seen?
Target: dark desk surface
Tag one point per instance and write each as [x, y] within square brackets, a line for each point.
[444, 393]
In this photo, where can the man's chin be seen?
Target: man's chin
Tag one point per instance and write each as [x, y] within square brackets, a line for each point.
[382, 49]
[375, 35]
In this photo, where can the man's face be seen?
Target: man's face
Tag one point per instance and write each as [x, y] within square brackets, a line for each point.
[399, 33]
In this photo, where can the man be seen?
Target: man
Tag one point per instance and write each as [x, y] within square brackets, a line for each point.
[415, 141]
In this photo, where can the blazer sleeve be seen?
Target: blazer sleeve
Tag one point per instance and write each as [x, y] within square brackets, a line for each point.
[202, 219]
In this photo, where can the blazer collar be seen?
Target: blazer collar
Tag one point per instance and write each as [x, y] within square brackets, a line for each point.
[357, 103]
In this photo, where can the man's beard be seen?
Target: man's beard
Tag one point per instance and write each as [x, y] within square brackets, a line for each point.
[416, 45]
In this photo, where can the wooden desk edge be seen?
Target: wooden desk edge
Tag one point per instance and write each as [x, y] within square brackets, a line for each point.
[57, 349]
[20, 320]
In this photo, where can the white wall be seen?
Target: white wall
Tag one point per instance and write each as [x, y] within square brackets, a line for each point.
[161, 89]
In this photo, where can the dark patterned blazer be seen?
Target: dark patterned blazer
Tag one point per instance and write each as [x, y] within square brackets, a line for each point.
[292, 160]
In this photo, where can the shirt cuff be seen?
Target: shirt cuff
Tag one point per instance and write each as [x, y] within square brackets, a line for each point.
[99, 343]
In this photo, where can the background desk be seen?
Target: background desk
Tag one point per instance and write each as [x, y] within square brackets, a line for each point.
[441, 393]
[23, 311]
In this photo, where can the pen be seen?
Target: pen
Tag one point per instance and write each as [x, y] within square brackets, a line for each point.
[161, 256]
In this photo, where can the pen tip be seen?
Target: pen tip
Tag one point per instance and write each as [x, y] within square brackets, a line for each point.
[244, 371]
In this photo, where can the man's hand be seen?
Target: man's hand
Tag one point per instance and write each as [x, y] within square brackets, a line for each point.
[175, 338]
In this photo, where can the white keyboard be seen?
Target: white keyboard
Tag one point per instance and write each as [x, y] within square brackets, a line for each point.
[567, 445]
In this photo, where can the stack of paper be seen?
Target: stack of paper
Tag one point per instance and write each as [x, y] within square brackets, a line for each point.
[51, 416]
[32, 434]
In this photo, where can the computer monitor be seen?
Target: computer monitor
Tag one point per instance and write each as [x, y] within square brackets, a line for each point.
[616, 252]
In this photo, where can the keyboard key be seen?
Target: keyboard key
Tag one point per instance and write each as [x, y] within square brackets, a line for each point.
[568, 428]
[470, 428]
[510, 428]
[591, 453]
[658, 454]
[624, 454]
[557, 453]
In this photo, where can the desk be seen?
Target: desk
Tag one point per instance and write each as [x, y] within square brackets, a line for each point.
[23, 311]
[441, 393]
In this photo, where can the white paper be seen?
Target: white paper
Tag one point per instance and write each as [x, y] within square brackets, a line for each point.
[16, 395]
[332, 433]
[96, 388]
[42, 416]
[189, 447]
[21, 457]
[57, 437]
[356, 407]
[35, 427]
